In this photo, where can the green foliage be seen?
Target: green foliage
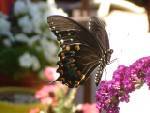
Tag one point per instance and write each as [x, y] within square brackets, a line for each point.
[8, 60]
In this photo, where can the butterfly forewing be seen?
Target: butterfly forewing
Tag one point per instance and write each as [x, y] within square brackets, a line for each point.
[60, 25]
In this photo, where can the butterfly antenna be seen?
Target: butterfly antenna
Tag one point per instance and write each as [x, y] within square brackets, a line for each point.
[112, 61]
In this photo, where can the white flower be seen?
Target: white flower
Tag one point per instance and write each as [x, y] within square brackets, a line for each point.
[26, 24]
[7, 42]
[50, 50]
[33, 39]
[42, 6]
[25, 60]
[21, 37]
[37, 24]
[37, 12]
[4, 26]
[33, 10]
[20, 7]
[35, 63]
[37, 9]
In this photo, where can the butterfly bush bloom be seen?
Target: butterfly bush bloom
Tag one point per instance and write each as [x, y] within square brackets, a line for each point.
[124, 81]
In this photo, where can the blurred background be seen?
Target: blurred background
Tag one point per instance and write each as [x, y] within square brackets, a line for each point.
[28, 53]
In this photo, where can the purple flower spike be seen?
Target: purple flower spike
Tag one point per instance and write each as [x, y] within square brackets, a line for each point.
[124, 81]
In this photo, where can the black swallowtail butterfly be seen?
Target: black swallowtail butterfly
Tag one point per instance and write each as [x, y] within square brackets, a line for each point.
[84, 47]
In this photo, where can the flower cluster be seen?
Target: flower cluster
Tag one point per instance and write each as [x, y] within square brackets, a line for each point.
[125, 80]
[24, 35]
[57, 97]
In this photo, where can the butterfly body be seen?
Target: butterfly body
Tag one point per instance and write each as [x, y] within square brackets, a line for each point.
[83, 49]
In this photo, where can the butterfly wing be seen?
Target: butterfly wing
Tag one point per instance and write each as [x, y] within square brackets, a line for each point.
[64, 26]
[97, 27]
[80, 53]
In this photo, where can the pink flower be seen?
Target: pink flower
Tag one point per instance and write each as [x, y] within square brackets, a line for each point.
[49, 94]
[34, 110]
[51, 74]
[44, 92]
[47, 100]
[87, 108]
